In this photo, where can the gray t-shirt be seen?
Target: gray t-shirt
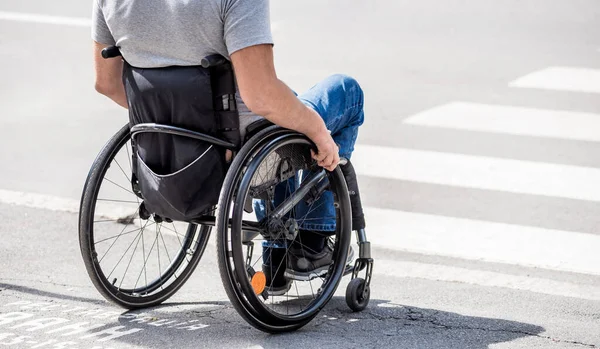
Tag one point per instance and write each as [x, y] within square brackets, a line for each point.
[160, 33]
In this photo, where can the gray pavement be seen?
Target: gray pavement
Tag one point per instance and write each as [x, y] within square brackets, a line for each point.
[404, 312]
[410, 57]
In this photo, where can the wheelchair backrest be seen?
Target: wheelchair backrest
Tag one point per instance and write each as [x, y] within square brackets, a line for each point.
[180, 173]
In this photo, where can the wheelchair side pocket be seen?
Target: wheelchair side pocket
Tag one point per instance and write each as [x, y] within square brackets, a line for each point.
[187, 193]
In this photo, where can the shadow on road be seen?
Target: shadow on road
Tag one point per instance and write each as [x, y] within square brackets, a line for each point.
[216, 325]
[382, 325]
[41, 293]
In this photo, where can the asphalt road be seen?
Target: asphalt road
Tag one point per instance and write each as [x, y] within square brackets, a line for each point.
[480, 171]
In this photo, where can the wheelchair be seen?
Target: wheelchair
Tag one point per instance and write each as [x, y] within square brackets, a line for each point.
[137, 259]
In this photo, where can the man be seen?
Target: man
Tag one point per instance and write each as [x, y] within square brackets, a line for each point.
[161, 33]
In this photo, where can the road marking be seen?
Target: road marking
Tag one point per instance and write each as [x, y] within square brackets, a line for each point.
[452, 237]
[34, 200]
[469, 171]
[69, 21]
[511, 120]
[429, 234]
[485, 241]
[54, 203]
[562, 79]
[45, 19]
[435, 272]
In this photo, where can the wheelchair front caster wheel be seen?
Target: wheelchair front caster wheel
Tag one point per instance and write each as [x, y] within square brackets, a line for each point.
[358, 294]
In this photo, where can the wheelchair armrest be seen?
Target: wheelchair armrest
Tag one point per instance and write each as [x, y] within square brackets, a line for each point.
[178, 131]
[256, 127]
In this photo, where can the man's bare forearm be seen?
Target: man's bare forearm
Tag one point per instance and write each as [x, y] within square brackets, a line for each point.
[119, 97]
[266, 95]
[279, 105]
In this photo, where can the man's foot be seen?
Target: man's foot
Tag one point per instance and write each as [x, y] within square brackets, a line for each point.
[273, 267]
[279, 284]
[303, 265]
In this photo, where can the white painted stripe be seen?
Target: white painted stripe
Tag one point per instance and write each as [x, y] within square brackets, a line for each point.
[478, 172]
[69, 21]
[45, 19]
[562, 79]
[429, 234]
[435, 272]
[34, 200]
[485, 241]
[511, 120]
[54, 203]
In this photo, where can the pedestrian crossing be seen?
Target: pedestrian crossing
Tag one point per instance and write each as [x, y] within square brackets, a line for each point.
[484, 241]
[437, 272]
[502, 119]
[478, 172]
[45, 19]
[473, 239]
[460, 237]
[562, 79]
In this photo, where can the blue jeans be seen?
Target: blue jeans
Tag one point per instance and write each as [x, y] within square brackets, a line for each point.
[339, 101]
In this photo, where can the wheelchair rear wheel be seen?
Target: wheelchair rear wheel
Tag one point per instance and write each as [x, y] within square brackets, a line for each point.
[274, 160]
[134, 260]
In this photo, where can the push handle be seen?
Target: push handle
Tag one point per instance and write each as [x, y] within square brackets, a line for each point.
[111, 52]
[213, 61]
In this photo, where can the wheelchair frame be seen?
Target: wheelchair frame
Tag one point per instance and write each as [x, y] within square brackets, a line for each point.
[364, 260]
[358, 290]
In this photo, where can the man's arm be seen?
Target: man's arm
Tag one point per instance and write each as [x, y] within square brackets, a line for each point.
[266, 95]
[108, 76]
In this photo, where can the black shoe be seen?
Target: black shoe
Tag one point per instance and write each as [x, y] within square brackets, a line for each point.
[303, 265]
[274, 268]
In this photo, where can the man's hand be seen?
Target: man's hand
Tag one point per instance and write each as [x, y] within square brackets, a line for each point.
[327, 155]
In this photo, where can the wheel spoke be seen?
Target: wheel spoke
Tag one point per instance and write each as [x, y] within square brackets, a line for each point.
[127, 250]
[304, 255]
[113, 200]
[180, 244]
[145, 258]
[130, 259]
[126, 225]
[307, 294]
[173, 231]
[105, 220]
[119, 235]
[318, 218]
[144, 265]
[297, 293]
[118, 185]
[165, 245]
[158, 253]
[113, 243]
[126, 176]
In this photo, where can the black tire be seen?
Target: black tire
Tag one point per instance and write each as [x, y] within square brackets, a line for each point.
[354, 294]
[189, 246]
[231, 258]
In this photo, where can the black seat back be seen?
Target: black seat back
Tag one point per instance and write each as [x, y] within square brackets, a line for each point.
[180, 177]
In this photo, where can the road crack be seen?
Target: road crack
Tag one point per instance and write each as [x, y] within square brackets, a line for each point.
[414, 316]
[212, 314]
